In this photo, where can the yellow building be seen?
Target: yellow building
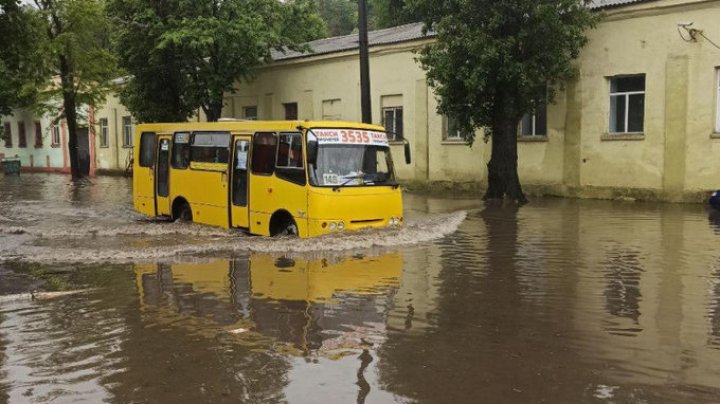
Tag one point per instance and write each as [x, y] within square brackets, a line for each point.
[114, 129]
[642, 119]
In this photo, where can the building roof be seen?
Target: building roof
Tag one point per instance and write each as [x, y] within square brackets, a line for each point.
[387, 36]
[401, 33]
[600, 4]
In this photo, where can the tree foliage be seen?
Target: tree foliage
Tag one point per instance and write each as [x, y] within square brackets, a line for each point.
[494, 61]
[183, 55]
[391, 13]
[340, 16]
[83, 64]
[23, 56]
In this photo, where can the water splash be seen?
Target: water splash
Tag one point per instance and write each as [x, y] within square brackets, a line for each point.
[148, 241]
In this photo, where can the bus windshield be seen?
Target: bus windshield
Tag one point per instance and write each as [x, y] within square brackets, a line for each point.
[351, 157]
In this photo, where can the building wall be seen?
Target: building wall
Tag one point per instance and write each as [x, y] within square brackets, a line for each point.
[674, 154]
[115, 154]
[47, 157]
[671, 159]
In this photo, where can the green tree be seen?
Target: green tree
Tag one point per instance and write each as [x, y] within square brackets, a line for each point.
[391, 13]
[187, 54]
[156, 90]
[78, 38]
[340, 16]
[23, 56]
[494, 61]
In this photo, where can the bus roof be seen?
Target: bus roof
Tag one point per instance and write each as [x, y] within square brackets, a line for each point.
[253, 126]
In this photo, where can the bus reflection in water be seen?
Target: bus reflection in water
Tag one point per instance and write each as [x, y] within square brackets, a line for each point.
[311, 305]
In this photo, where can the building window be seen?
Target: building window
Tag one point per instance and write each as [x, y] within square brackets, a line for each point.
[38, 134]
[250, 113]
[291, 111]
[7, 134]
[627, 104]
[535, 124]
[717, 101]
[127, 131]
[104, 132]
[452, 130]
[393, 122]
[56, 135]
[22, 135]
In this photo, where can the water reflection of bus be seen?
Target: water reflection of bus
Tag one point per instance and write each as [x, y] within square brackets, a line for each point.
[304, 303]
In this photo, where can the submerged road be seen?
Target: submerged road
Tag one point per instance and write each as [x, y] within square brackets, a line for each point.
[560, 301]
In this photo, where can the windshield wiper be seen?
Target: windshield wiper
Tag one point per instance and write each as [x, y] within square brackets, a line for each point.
[349, 179]
[368, 178]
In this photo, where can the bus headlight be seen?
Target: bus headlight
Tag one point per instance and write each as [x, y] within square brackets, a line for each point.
[341, 225]
[332, 226]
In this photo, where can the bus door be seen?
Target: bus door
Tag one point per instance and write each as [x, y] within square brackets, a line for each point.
[162, 177]
[239, 215]
[144, 174]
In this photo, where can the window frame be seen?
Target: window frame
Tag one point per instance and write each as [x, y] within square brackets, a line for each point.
[56, 131]
[127, 131]
[7, 134]
[534, 126]
[297, 110]
[394, 138]
[38, 134]
[22, 135]
[250, 117]
[626, 95]
[104, 132]
[446, 132]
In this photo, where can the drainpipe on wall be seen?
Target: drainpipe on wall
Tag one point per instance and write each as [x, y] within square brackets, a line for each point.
[117, 141]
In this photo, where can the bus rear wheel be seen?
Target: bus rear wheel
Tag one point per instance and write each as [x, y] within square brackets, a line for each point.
[183, 213]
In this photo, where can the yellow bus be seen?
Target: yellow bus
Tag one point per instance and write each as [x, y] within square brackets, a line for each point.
[269, 178]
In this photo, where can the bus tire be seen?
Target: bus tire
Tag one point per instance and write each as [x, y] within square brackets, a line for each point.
[282, 224]
[182, 211]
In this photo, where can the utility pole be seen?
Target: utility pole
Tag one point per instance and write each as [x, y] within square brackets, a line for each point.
[365, 103]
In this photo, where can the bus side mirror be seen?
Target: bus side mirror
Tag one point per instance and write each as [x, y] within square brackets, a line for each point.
[408, 158]
[312, 151]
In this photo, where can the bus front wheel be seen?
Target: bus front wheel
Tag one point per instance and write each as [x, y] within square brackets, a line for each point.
[282, 224]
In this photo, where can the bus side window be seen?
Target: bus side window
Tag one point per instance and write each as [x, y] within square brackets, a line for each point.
[263, 153]
[290, 158]
[290, 150]
[181, 150]
[210, 147]
[147, 149]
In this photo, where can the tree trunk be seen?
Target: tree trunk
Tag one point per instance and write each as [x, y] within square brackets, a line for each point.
[503, 180]
[68, 90]
[213, 111]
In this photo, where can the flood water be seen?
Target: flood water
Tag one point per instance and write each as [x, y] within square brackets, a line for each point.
[560, 301]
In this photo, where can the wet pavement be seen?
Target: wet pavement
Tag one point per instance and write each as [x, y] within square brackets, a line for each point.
[560, 301]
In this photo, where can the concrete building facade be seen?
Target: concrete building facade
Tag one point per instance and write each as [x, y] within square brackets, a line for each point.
[641, 119]
[38, 142]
